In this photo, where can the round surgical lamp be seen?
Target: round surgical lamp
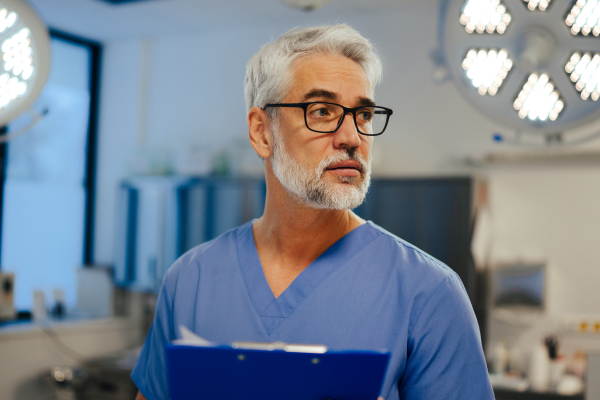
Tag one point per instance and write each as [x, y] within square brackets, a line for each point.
[25, 63]
[533, 65]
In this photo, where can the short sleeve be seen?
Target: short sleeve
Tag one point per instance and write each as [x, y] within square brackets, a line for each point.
[445, 357]
[150, 373]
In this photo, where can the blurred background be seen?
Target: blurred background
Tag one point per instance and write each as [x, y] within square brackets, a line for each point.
[135, 150]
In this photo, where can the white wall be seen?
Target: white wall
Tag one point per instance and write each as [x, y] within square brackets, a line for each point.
[552, 215]
[119, 131]
[191, 95]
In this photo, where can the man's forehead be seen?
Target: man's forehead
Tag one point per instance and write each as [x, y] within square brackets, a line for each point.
[330, 77]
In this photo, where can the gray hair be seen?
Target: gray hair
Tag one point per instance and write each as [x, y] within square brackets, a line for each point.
[269, 73]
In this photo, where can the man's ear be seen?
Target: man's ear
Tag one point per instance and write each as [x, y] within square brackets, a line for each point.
[259, 132]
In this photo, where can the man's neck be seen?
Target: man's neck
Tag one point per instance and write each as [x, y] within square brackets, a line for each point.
[290, 235]
[302, 232]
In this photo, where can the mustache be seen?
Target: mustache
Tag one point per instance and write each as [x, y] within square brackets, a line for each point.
[343, 155]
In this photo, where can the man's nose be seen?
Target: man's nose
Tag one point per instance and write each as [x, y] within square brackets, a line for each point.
[346, 136]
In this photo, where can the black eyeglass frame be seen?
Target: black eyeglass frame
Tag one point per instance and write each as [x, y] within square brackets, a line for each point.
[347, 110]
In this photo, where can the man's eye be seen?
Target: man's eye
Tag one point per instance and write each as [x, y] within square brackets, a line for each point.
[320, 112]
[365, 115]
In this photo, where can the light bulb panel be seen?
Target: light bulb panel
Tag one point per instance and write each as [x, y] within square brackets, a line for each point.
[539, 100]
[584, 71]
[17, 64]
[584, 18]
[487, 69]
[24, 58]
[541, 5]
[485, 16]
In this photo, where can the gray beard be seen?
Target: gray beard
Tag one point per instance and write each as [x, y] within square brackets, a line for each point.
[309, 187]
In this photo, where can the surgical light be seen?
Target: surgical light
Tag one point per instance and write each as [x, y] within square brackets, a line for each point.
[584, 17]
[484, 16]
[584, 71]
[24, 59]
[487, 69]
[529, 92]
[535, 4]
[538, 100]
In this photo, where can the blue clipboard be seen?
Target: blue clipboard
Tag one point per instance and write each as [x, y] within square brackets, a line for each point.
[229, 373]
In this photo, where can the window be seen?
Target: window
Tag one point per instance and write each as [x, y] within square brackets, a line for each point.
[47, 198]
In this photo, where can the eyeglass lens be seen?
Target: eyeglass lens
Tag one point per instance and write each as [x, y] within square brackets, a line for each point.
[324, 117]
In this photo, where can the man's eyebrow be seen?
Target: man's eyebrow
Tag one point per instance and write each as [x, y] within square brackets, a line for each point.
[365, 101]
[320, 93]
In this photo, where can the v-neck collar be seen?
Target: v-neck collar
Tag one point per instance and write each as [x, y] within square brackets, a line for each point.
[274, 310]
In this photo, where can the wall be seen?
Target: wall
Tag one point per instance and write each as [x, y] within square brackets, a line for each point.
[552, 214]
[119, 127]
[163, 95]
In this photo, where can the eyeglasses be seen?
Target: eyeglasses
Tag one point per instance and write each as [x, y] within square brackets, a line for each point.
[328, 117]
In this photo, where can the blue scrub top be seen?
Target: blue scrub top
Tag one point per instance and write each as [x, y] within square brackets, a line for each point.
[370, 290]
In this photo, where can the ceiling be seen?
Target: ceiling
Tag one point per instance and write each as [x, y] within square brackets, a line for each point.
[102, 21]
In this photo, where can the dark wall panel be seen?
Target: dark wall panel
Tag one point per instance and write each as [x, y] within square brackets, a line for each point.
[432, 214]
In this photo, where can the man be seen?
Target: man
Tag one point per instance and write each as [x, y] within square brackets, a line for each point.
[310, 270]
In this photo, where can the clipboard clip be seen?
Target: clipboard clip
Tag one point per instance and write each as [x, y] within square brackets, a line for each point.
[291, 348]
